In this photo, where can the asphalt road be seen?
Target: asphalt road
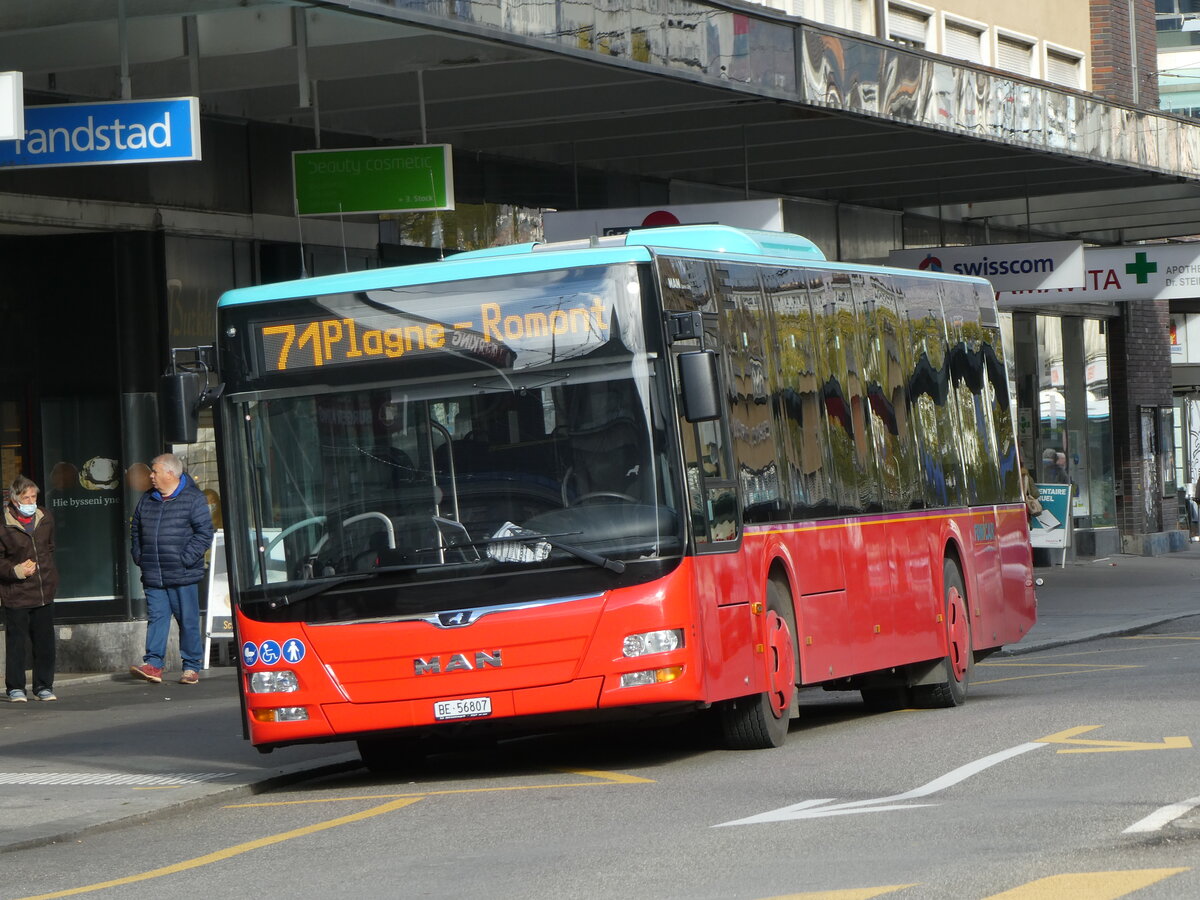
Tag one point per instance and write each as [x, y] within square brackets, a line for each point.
[1056, 779]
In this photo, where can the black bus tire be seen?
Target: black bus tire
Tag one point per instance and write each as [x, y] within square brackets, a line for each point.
[959, 664]
[760, 721]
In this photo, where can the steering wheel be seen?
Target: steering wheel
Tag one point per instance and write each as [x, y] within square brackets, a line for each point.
[292, 529]
[592, 495]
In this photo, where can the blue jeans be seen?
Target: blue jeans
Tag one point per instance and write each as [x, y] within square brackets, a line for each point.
[182, 603]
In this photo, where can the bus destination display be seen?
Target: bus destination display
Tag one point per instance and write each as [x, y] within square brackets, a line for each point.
[496, 334]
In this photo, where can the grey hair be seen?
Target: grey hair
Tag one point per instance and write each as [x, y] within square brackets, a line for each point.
[20, 485]
[170, 462]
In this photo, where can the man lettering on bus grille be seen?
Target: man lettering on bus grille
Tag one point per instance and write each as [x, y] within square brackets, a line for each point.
[170, 532]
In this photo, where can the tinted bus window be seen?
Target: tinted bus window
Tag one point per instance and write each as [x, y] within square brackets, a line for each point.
[888, 360]
[830, 304]
[995, 375]
[744, 337]
[972, 406]
[802, 424]
[928, 389]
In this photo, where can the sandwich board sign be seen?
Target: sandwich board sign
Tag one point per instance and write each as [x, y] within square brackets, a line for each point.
[1051, 527]
[218, 618]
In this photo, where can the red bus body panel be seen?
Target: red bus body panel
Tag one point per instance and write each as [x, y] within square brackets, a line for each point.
[867, 594]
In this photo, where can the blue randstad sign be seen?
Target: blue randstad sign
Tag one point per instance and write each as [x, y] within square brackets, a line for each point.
[91, 134]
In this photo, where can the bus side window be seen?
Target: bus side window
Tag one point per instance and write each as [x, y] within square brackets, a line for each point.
[746, 344]
[802, 426]
[928, 391]
[886, 364]
[831, 304]
[966, 365]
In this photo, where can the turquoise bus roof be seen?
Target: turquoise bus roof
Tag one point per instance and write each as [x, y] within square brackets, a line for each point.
[704, 241]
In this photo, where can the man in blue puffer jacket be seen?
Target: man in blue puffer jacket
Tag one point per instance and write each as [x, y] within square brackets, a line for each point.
[170, 532]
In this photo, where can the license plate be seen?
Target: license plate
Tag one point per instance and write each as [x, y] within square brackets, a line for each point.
[466, 708]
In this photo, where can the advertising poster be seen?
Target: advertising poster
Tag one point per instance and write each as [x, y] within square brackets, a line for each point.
[81, 457]
[1052, 526]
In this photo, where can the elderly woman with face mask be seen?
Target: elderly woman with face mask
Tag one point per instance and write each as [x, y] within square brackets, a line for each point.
[28, 582]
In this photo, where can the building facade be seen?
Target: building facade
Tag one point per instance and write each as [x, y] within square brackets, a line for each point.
[112, 268]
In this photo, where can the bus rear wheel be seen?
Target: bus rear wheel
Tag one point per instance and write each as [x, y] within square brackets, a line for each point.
[760, 721]
[956, 669]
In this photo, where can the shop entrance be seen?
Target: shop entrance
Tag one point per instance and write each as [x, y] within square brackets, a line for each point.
[80, 316]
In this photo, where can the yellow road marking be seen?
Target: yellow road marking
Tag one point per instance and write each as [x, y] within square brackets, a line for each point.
[847, 894]
[1162, 637]
[230, 852]
[1079, 669]
[614, 777]
[1088, 746]
[1044, 656]
[604, 778]
[1088, 885]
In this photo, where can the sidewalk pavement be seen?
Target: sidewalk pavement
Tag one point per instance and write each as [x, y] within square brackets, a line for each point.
[115, 751]
[1112, 595]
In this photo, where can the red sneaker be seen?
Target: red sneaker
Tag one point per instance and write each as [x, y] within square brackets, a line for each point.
[189, 676]
[146, 672]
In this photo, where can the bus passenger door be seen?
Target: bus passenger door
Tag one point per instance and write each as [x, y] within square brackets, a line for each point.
[712, 494]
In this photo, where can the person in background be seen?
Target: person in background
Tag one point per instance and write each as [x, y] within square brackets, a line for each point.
[170, 533]
[1033, 502]
[1061, 473]
[214, 508]
[28, 583]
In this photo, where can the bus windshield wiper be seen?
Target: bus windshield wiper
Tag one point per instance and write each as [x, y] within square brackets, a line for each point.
[613, 565]
[289, 598]
[315, 589]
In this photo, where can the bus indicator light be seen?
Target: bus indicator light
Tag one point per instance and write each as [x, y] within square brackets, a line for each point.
[281, 714]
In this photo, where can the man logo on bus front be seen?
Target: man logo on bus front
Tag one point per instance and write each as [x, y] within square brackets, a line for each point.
[454, 619]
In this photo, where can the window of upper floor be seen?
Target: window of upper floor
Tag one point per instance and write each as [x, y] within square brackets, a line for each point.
[964, 39]
[1015, 53]
[1064, 66]
[910, 24]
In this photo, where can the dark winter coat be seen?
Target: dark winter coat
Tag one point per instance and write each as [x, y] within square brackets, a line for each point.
[169, 536]
[18, 545]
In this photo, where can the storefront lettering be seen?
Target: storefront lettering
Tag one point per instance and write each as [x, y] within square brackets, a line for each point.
[73, 502]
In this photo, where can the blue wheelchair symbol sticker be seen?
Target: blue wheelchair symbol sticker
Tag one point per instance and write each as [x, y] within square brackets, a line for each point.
[293, 650]
[249, 653]
[269, 653]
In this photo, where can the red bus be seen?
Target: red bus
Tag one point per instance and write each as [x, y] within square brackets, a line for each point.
[675, 470]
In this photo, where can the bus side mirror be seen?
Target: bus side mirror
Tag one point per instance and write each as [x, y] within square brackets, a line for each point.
[178, 406]
[698, 381]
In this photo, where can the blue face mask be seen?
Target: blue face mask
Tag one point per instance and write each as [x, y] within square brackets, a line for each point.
[27, 509]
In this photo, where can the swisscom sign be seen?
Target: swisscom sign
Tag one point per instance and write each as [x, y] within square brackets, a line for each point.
[1009, 267]
[90, 134]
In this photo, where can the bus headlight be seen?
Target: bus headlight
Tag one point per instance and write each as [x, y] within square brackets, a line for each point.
[282, 682]
[653, 642]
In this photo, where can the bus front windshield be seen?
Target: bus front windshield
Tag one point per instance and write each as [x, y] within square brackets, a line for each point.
[497, 470]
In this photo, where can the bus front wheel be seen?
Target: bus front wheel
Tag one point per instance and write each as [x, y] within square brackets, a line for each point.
[760, 721]
[956, 669]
